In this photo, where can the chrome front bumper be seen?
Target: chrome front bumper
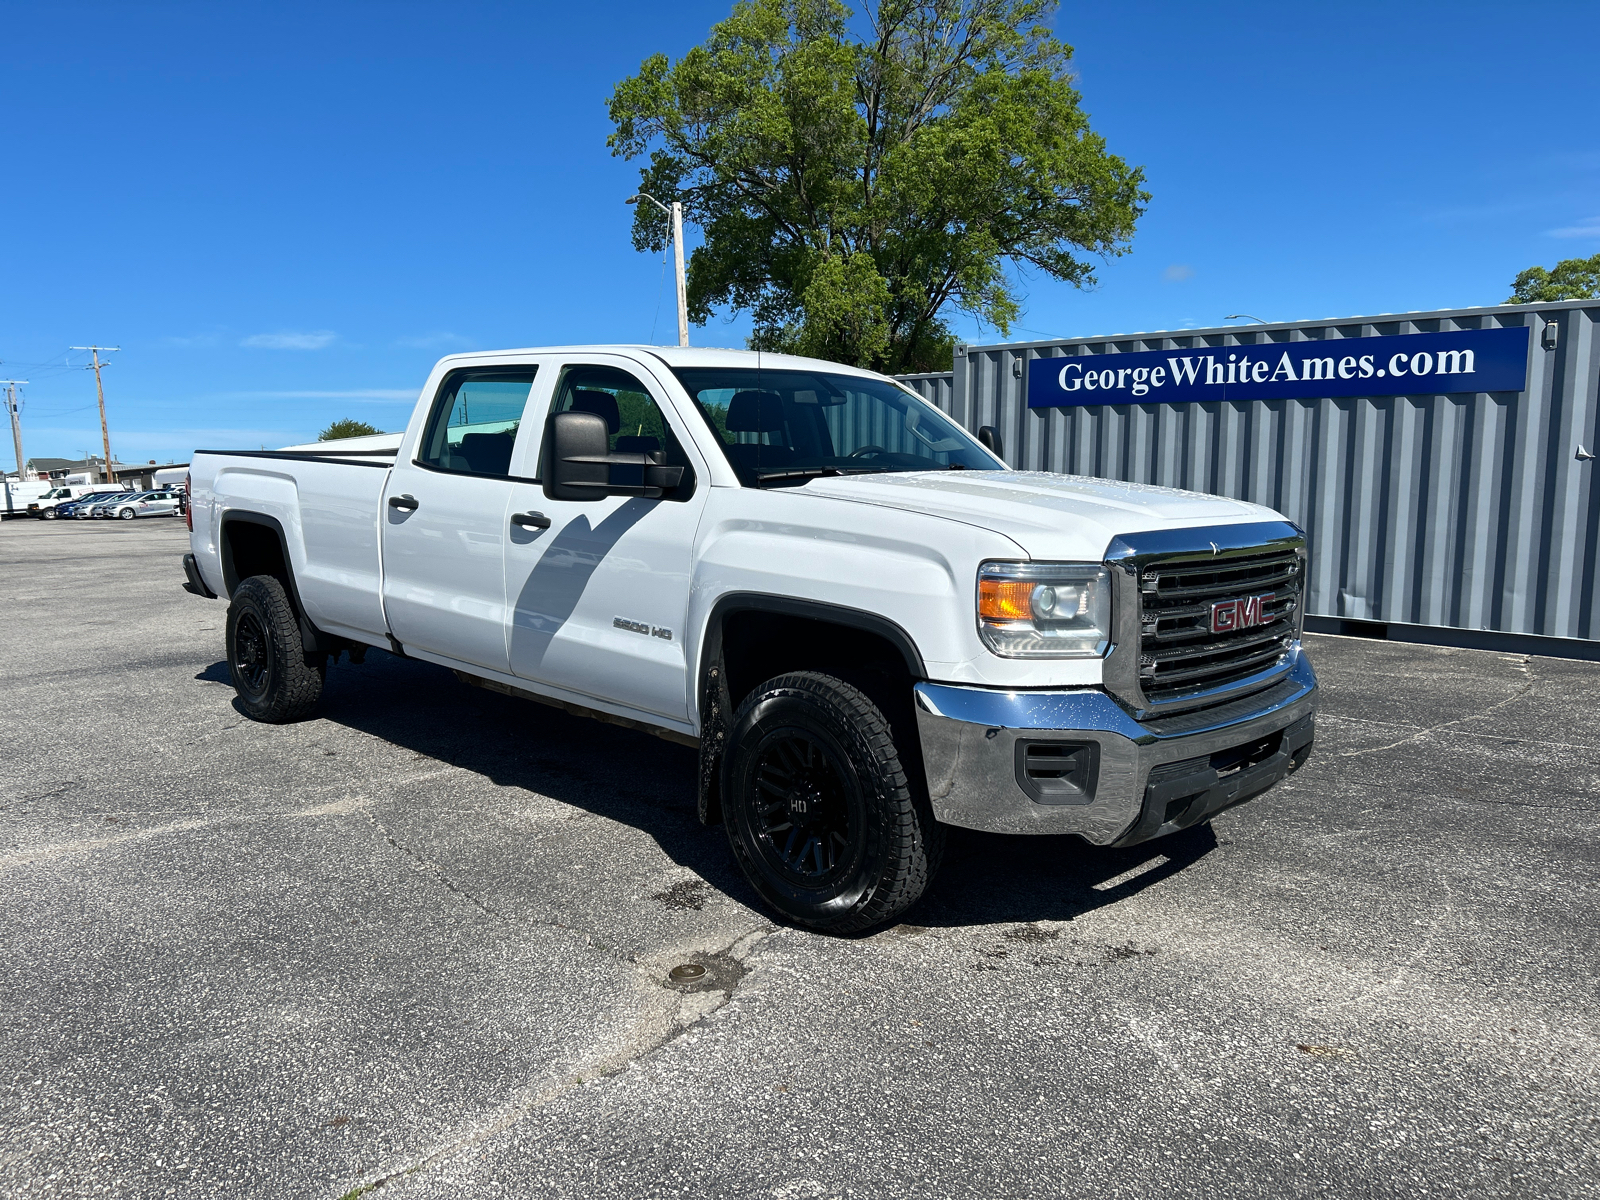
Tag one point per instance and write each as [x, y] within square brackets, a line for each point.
[975, 742]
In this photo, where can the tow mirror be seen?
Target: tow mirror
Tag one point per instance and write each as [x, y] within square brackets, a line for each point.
[989, 436]
[582, 465]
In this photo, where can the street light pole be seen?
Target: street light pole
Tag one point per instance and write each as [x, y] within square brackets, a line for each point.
[683, 287]
[1245, 317]
[676, 213]
[100, 391]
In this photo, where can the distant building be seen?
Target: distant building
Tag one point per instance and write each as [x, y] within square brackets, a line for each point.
[92, 470]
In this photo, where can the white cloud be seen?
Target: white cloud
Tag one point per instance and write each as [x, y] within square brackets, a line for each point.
[1178, 272]
[1589, 228]
[374, 395]
[291, 340]
[133, 446]
[433, 341]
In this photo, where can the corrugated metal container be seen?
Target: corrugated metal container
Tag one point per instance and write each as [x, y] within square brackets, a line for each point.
[1472, 511]
[935, 386]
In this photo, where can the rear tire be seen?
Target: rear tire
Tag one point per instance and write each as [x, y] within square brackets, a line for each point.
[820, 814]
[269, 669]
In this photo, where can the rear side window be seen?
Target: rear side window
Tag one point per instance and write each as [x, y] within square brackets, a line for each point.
[474, 421]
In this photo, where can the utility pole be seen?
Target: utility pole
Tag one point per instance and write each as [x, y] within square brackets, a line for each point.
[676, 213]
[16, 425]
[100, 391]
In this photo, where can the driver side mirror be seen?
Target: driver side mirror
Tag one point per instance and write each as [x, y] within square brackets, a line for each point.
[581, 461]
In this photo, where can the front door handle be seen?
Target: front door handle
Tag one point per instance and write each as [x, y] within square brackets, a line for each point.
[408, 503]
[531, 520]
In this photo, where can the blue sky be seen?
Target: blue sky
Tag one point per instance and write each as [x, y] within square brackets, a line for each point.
[285, 213]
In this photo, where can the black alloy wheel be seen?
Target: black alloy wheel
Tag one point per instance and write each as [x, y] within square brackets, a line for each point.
[251, 659]
[807, 813]
[820, 813]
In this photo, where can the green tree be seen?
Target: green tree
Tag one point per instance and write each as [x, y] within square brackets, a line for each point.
[346, 428]
[1572, 279]
[852, 191]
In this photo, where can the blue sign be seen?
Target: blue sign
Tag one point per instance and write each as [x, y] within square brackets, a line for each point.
[1409, 364]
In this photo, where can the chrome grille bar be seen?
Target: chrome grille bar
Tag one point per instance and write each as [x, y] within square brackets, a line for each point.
[1168, 658]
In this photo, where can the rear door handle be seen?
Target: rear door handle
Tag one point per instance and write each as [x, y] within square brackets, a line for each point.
[408, 502]
[531, 520]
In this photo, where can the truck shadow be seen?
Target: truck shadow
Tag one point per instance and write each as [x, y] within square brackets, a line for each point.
[648, 783]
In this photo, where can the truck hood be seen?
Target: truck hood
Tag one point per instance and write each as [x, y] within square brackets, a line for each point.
[1065, 517]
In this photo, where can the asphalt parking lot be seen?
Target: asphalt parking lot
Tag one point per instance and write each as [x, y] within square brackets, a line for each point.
[421, 944]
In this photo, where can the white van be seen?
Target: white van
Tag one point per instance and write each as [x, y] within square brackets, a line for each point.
[17, 495]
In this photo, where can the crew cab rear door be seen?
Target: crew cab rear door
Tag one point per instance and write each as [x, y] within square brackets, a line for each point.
[444, 515]
[598, 597]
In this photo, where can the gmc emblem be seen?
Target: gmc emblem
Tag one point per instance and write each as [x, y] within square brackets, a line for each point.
[1227, 616]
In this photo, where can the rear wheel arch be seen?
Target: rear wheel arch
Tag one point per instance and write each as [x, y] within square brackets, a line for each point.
[252, 543]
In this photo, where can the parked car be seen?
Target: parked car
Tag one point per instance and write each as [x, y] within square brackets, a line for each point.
[93, 510]
[867, 624]
[72, 508]
[146, 504]
[98, 509]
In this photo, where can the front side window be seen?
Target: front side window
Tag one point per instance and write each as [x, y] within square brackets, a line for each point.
[475, 419]
[634, 421]
[784, 426]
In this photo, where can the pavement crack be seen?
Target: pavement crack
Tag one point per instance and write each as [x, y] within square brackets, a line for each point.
[1422, 733]
[669, 1015]
[32, 855]
[429, 867]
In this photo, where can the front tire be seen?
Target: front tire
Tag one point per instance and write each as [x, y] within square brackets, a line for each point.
[820, 813]
[127, 514]
[269, 669]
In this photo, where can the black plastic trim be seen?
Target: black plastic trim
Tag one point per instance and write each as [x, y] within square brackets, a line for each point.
[195, 583]
[817, 610]
[295, 456]
[474, 474]
[312, 639]
[1180, 794]
[716, 705]
[1078, 789]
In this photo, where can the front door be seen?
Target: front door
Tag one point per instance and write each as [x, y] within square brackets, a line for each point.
[598, 599]
[444, 518]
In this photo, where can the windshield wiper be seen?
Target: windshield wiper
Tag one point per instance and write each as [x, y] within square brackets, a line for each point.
[769, 474]
[774, 473]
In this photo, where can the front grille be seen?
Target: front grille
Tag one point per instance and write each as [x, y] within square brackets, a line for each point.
[1180, 657]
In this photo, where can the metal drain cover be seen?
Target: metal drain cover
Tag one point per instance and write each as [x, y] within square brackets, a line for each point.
[687, 973]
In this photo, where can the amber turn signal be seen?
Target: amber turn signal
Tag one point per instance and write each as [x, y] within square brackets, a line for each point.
[1005, 599]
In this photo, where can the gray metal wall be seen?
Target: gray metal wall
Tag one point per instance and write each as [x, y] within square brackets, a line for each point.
[1470, 511]
[936, 386]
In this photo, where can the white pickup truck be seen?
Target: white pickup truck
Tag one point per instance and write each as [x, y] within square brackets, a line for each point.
[867, 624]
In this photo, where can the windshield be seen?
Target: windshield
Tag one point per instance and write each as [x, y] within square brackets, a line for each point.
[785, 426]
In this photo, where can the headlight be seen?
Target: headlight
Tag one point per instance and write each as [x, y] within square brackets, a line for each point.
[1045, 610]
